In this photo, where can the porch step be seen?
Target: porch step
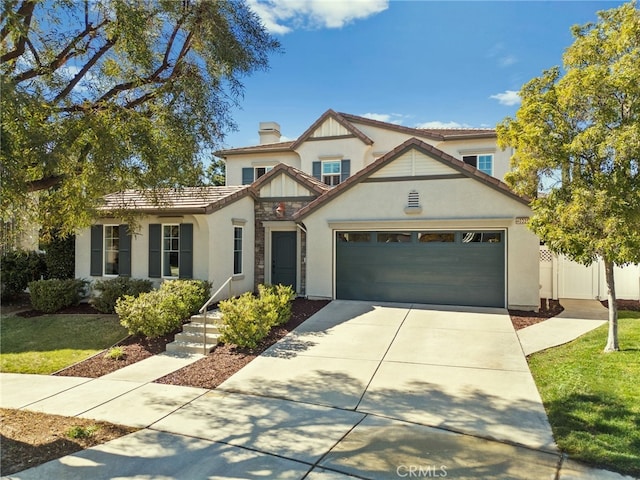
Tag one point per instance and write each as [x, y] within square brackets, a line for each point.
[193, 339]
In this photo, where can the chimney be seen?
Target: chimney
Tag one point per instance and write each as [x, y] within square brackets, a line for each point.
[269, 132]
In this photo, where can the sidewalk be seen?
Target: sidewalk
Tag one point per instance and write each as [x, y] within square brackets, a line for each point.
[577, 318]
[362, 391]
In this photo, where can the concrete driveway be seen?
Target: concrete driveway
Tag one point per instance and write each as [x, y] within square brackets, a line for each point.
[360, 389]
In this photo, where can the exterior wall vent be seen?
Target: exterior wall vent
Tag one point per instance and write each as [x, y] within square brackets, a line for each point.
[413, 203]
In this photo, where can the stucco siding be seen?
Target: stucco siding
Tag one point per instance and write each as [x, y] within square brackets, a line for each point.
[235, 163]
[344, 148]
[455, 204]
[221, 226]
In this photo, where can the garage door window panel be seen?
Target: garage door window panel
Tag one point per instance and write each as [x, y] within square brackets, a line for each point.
[481, 237]
[394, 237]
[354, 237]
[436, 237]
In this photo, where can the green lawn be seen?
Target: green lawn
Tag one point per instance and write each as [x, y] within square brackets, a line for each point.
[593, 398]
[51, 342]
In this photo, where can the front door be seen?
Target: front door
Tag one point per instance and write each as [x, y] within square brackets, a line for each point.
[283, 258]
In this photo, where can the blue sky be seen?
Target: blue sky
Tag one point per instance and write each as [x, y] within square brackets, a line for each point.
[416, 63]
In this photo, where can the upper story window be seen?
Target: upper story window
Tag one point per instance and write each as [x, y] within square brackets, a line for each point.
[170, 251]
[111, 249]
[483, 162]
[260, 171]
[331, 172]
[251, 174]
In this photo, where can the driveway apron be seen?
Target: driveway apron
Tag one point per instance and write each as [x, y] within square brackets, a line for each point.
[359, 390]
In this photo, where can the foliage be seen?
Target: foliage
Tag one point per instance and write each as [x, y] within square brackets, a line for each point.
[48, 343]
[51, 295]
[162, 311]
[592, 398]
[115, 353]
[242, 322]
[247, 319]
[60, 257]
[78, 431]
[215, 173]
[277, 298]
[114, 288]
[577, 136]
[18, 268]
[103, 95]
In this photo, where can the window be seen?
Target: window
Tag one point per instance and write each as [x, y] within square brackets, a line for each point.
[170, 250]
[260, 171]
[354, 237]
[481, 237]
[111, 249]
[436, 237]
[331, 172]
[484, 163]
[394, 237]
[237, 250]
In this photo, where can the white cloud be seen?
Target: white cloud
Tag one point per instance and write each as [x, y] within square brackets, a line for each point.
[508, 98]
[438, 124]
[283, 16]
[395, 118]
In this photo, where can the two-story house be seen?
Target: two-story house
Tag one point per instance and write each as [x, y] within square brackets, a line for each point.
[352, 209]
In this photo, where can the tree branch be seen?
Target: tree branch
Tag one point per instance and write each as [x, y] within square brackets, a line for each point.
[105, 48]
[44, 183]
[26, 11]
[62, 57]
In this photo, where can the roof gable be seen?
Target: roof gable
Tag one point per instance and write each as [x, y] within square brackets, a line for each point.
[310, 183]
[331, 125]
[435, 157]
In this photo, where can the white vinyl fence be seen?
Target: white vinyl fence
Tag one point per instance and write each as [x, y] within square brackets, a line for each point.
[563, 278]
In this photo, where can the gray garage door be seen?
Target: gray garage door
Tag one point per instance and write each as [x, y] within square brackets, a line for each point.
[444, 267]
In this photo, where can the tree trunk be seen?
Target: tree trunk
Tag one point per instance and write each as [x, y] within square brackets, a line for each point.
[612, 339]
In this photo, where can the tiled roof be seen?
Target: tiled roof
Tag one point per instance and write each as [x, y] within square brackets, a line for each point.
[267, 148]
[430, 150]
[174, 200]
[432, 133]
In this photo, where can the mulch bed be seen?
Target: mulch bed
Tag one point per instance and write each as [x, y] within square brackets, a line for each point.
[208, 372]
[624, 304]
[548, 308]
[33, 438]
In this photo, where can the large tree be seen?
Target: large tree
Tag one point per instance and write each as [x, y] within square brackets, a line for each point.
[577, 140]
[102, 95]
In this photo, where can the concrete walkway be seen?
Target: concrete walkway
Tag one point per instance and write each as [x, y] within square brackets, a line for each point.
[358, 391]
[577, 318]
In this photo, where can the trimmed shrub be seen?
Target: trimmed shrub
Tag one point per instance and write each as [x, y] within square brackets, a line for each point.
[18, 269]
[248, 319]
[162, 311]
[191, 294]
[111, 290]
[60, 257]
[51, 295]
[277, 298]
[243, 320]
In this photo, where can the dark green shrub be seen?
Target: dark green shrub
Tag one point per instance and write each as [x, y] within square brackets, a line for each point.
[243, 321]
[162, 311]
[17, 269]
[51, 295]
[60, 257]
[111, 290]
